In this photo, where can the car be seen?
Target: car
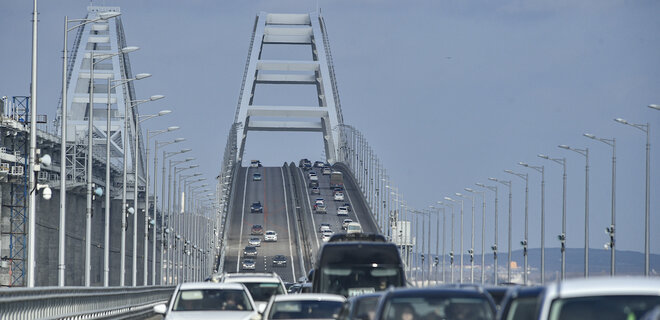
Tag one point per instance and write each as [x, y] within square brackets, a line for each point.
[342, 211]
[304, 306]
[208, 300]
[345, 223]
[262, 286]
[313, 177]
[270, 236]
[319, 201]
[519, 303]
[339, 196]
[436, 303]
[256, 207]
[362, 307]
[319, 164]
[311, 173]
[257, 229]
[250, 251]
[348, 206]
[315, 190]
[304, 162]
[255, 163]
[256, 176]
[498, 292]
[326, 171]
[326, 235]
[313, 184]
[279, 261]
[320, 208]
[249, 264]
[353, 227]
[324, 226]
[254, 241]
[600, 298]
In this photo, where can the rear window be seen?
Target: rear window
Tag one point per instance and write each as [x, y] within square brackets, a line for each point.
[432, 308]
[262, 291]
[211, 299]
[603, 307]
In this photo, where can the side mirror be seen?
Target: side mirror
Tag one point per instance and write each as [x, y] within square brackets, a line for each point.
[160, 308]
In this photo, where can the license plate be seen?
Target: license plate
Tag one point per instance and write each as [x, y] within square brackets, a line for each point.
[360, 291]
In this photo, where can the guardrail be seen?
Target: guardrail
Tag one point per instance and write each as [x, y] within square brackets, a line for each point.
[81, 302]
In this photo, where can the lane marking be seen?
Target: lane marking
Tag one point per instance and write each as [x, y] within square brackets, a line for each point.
[240, 237]
[288, 226]
[352, 207]
[309, 205]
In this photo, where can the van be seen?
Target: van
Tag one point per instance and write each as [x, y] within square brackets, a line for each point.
[353, 227]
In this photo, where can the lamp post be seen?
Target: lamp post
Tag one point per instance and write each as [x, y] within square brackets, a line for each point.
[451, 252]
[562, 236]
[524, 242]
[178, 255]
[471, 250]
[185, 226]
[508, 266]
[135, 197]
[124, 206]
[61, 266]
[170, 220]
[494, 247]
[106, 249]
[645, 128]
[443, 241]
[90, 155]
[151, 133]
[436, 260]
[162, 210]
[483, 230]
[585, 153]
[540, 169]
[611, 228]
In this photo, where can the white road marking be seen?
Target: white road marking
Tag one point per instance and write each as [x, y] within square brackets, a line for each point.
[288, 226]
[240, 237]
[309, 205]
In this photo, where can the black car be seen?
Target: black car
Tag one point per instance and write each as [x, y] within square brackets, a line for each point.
[279, 261]
[256, 207]
[319, 164]
[520, 303]
[360, 307]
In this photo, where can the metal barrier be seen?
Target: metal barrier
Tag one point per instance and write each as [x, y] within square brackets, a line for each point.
[81, 302]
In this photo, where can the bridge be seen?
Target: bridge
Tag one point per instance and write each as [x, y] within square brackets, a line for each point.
[147, 230]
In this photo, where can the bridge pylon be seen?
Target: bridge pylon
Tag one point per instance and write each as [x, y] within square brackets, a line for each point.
[290, 29]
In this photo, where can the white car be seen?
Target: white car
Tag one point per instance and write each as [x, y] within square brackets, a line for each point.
[270, 236]
[325, 235]
[249, 264]
[313, 177]
[254, 241]
[601, 298]
[342, 211]
[324, 226]
[304, 306]
[319, 201]
[339, 196]
[208, 300]
[353, 227]
[345, 223]
[261, 286]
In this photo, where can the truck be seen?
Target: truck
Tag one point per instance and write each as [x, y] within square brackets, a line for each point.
[336, 180]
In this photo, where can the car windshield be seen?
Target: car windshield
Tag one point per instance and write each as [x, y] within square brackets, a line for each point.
[352, 280]
[603, 307]
[212, 300]
[262, 291]
[432, 307]
[305, 310]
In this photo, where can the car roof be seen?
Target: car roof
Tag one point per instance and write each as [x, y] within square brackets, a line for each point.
[210, 285]
[605, 286]
[310, 297]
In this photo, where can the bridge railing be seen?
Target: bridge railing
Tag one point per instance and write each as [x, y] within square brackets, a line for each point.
[81, 302]
[224, 188]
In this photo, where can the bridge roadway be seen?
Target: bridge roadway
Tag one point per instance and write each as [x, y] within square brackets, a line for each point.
[282, 191]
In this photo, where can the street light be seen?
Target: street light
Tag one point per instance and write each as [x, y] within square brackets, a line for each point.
[525, 240]
[540, 169]
[610, 230]
[483, 229]
[644, 128]
[471, 251]
[585, 153]
[150, 134]
[170, 221]
[494, 246]
[90, 154]
[508, 266]
[63, 123]
[451, 253]
[562, 236]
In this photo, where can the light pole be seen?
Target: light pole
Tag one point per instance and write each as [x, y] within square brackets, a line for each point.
[61, 266]
[90, 155]
[443, 241]
[494, 247]
[170, 219]
[471, 250]
[124, 206]
[540, 169]
[179, 220]
[508, 266]
[585, 153]
[106, 249]
[483, 230]
[451, 252]
[186, 224]
[162, 210]
[611, 228]
[436, 260]
[135, 197]
[151, 133]
[562, 236]
[524, 242]
[645, 128]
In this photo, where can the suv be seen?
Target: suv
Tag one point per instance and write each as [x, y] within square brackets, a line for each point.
[262, 286]
[256, 207]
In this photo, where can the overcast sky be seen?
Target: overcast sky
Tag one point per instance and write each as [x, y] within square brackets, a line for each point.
[448, 93]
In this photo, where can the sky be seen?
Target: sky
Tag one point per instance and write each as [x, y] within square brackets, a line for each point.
[447, 93]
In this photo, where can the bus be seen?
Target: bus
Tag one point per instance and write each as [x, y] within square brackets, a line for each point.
[351, 264]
